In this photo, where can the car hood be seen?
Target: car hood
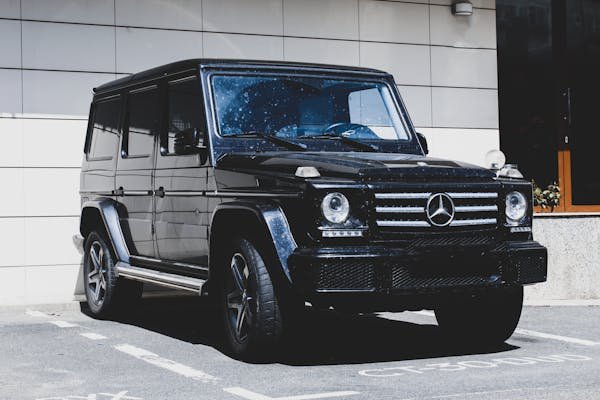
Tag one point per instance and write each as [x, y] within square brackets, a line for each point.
[356, 165]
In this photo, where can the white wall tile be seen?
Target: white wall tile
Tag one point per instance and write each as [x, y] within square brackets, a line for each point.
[243, 16]
[408, 63]
[321, 51]
[465, 108]
[49, 241]
[389, 21]
[418, 102]
[45, 138]
[12, 237]
[11, 201]
[63, 182]
[10, 43]
[476, 3]
[72, 47]
[11, 99]
[140, 49]
[12, 285]
[467, 145]
[81, 11]
[333, 19]
[464, 67]
[10, 8]
[225, 45]
[478, 30]
[64, 93]
[64, 279]
[174, 14]
[11, 137]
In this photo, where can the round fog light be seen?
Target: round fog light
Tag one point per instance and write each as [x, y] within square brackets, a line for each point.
[335, 208]
[516, 206]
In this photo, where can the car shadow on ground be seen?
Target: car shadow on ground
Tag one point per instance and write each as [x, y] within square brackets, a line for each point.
[320, 338]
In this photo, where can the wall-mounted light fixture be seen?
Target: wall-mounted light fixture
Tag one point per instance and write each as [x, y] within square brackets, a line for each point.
[462, 8]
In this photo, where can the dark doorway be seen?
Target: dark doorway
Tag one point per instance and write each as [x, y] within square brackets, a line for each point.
[548, 63]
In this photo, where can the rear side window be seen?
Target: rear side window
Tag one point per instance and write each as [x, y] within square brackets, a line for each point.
[104, 141]
[186, 121]
[142, 122]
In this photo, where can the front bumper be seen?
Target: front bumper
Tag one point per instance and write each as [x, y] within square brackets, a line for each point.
[385, 270]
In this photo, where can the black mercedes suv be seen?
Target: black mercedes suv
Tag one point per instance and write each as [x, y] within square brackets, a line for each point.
[266, 185]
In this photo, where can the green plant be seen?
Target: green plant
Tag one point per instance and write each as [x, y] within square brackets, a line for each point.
[546, 198]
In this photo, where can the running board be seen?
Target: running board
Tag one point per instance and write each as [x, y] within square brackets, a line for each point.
[160, 278]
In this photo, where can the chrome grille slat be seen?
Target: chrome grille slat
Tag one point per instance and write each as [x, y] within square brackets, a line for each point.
[403, 210]
[461, 209]
[406, 210]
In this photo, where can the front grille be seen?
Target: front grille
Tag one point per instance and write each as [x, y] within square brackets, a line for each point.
[405, 211]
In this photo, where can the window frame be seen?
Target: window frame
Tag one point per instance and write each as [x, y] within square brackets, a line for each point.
[125, 120]
[90, 128]
[164, 129]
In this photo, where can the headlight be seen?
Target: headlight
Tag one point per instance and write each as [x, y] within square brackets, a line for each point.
[335, 208]
[516, 206]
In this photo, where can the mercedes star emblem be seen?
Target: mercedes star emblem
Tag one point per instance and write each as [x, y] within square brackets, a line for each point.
[440, 209]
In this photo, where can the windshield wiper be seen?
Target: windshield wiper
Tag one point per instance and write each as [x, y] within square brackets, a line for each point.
[288, 144]
[350, 142]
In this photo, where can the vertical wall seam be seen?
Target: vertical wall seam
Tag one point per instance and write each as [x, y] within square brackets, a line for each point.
[283, 29]
[115, 32]
[358, 25]
[430, 68]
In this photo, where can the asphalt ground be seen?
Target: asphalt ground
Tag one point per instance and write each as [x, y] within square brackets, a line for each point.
[169, 349]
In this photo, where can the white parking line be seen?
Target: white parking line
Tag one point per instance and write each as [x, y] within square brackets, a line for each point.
[34, 313]
[93, 336]
[63, 324]
[247, 394]
[172, 366]
[567, 339]
[527, 332]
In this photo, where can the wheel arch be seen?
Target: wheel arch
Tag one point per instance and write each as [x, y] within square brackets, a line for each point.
[264, 224]
[102, 215]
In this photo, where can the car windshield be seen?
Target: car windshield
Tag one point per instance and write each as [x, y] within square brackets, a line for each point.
[290, 108]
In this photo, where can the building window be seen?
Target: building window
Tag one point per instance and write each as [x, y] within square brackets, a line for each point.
[548, 63]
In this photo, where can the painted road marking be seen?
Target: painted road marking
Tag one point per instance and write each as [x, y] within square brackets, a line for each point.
[63, 324]
[37, 314]
[567, 339]
[93, 336]
[93, 396]
[247, 394]
[527, 332]
[405, 370]
[170, 365]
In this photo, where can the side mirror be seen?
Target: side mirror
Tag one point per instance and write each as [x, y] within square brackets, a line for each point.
[423, 142]
[188, 142]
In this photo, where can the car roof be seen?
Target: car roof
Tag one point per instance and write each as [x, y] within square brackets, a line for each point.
[183, 65]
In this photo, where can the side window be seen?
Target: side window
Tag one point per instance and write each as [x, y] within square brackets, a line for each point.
[186, 124]
[104, 140]
[142, 122]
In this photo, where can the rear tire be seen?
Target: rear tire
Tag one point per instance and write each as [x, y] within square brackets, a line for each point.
[249, 307]
[485, 319]
[105, 293]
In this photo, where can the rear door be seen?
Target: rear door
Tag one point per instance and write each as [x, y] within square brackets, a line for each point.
[134, 178]
[181, 175]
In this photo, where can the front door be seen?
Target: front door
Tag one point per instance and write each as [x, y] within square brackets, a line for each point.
[181, 220]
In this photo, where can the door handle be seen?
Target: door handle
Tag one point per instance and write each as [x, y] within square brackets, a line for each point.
[160, 192]
[119, 192]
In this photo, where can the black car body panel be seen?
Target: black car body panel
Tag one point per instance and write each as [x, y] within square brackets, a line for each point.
[170, 211]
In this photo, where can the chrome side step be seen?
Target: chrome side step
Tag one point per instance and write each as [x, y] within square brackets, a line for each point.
[160, 278]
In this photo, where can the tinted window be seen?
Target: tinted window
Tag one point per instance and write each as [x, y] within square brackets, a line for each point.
[104, 141]
[185, 116]
[142, 122]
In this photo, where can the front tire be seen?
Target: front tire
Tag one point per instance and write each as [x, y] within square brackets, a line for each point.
[485, 319]
[105, 293]
[251, 311]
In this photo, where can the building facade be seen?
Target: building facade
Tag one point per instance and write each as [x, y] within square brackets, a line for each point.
[53, 52]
